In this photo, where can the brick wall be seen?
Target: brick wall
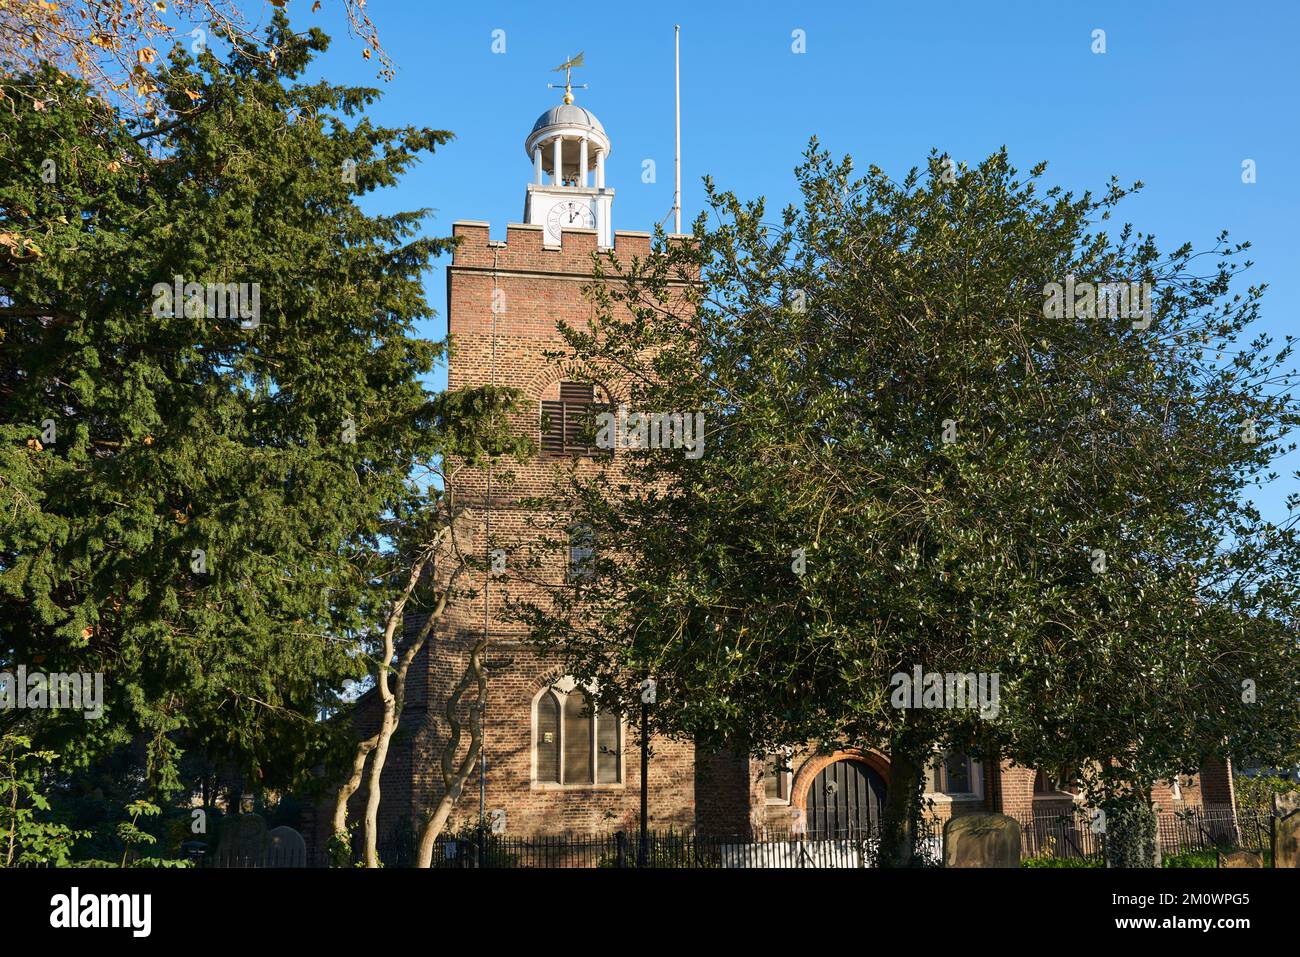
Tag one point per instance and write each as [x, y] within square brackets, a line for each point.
[1013, 790]
[517, 674]
[1215, 783]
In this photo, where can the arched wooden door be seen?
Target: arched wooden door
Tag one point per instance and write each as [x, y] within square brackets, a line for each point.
[846, 798]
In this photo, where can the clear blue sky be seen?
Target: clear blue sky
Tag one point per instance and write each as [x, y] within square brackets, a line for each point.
[1183, 94]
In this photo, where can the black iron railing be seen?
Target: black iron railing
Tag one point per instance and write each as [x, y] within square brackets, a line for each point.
[1071, 833]
[1066, 834]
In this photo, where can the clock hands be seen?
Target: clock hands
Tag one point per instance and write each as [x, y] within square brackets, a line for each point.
[576, 212]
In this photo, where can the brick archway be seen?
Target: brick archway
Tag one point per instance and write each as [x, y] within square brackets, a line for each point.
[555, 373]
[815, 765]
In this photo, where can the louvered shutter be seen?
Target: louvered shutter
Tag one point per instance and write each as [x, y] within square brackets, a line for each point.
[577, 398]
[596, 409]
[574, 437]
[579, 393]
[552, 428]
[567, 424]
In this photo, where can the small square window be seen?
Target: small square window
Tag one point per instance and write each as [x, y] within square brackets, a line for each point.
[955, 774]
[582, 553]
[776, 777]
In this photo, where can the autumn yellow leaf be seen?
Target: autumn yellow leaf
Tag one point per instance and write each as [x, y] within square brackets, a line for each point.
[17, 244]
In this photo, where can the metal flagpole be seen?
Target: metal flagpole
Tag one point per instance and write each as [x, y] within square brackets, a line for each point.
[677, 190]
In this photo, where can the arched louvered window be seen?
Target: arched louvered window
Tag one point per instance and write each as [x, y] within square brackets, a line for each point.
[568, 423]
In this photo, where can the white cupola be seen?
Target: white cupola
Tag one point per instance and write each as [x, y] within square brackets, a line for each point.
[567, 146]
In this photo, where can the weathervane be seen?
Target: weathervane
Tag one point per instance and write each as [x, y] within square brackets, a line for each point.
[567, 66]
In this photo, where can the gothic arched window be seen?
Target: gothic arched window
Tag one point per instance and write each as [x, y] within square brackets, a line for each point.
[571, 745]
[548, 738]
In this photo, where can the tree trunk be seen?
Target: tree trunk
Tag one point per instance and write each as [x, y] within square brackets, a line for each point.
[454, 775]
[370, 824]
[392, 700]
[901, 823]
[341, 843]
[437, 822]
[350, 786]
[902, 812]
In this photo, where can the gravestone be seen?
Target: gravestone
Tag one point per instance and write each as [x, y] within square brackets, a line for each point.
[243, 842]
[1286, 830]
[981, 840]
[285, 848]
[798, 822]
[1240, 859]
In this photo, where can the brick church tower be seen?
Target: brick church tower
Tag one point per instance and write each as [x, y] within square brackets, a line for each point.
[549, 767]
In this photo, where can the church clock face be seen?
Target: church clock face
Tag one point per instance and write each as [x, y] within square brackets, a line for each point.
[569, 215]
